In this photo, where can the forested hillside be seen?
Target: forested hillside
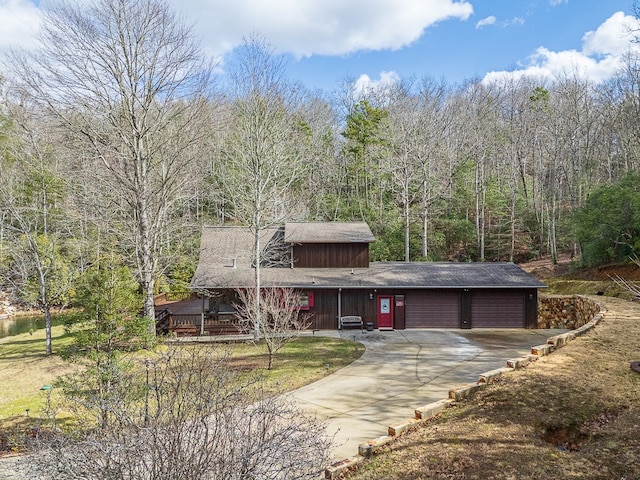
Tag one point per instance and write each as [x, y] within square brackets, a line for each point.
[116, 153]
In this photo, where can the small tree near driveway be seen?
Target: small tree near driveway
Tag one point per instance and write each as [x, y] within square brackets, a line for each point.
[279, 320]
[186, 415]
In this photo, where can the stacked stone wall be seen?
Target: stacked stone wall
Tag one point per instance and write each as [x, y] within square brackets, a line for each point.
[570, 312]
[576, 313]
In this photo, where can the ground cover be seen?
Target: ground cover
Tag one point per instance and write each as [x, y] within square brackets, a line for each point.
[573, 414]
[24, 370]
[299, 363]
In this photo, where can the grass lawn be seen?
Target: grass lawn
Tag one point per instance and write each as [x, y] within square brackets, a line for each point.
[299, 363]
[24, 368]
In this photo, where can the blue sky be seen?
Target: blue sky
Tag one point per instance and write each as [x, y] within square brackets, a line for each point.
[328, 41]
[457, 49]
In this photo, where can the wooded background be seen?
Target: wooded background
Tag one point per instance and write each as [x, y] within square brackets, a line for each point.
[115, 152]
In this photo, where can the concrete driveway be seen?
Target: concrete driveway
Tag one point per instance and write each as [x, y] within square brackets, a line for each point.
[405, 369]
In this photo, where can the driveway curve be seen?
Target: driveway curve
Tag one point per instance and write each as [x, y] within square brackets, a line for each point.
[402, 370]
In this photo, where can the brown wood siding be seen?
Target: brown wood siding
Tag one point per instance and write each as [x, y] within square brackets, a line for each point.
[324, 310]
[498, 309]
[531, 308]
[338, 255]
[357, 302]
[432, 309]
[353, 302]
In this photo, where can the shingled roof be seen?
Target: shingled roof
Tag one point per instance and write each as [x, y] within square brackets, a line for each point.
[328, 232]
[221, 245]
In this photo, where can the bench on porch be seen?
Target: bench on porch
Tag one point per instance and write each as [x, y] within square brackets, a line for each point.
[351, 321]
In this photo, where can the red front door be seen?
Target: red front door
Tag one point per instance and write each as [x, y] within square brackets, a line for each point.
[385, 312]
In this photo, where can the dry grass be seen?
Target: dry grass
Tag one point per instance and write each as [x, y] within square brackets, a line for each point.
[24, 369]
[299, 363]
[572, 415]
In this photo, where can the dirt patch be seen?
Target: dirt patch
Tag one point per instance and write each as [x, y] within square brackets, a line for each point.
[572, 414]
[565, 438]
[627, 271]
[566, 268]
[543, 267]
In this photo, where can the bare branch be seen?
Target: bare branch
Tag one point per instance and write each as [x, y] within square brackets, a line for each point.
[278, 320]
[192, 419]
[129, 83]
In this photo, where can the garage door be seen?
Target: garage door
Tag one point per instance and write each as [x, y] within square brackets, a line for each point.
[432, 309]
[497, 309]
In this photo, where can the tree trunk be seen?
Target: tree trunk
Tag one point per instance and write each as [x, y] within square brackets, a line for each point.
[407, 232]
[146, 256]
[406, 217]
[425, 232]
[257, 253]
[256, 249]
[512, 221]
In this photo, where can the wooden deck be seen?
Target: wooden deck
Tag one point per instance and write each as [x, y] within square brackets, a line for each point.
[194, 317]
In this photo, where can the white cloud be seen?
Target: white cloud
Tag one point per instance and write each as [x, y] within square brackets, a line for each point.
[600, 57]
[364, 85]
[302, 28]
[19, 20]
[612, 37]
[555, 3]
[328, 27]
[490, 20]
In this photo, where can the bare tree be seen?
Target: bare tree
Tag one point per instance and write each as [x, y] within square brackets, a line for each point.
[31, 200]
[630, 286]
[438, 155]
[280, 316]
[186, 416]
[263, 159]
[319, 127]
[405, 146]
[622, 113]
[128, 82]
[515, 147]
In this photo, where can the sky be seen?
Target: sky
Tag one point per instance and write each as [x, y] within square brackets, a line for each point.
[372, 42]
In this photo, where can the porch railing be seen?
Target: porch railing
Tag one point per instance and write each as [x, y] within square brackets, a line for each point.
[214, 324]
[163, 320]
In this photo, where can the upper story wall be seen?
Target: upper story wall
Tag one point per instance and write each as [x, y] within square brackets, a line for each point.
[331, 255]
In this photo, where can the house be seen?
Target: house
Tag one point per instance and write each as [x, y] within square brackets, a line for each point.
[328, 263]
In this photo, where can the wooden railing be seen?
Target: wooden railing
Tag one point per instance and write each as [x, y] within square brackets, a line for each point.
[191, 324]
[163, 320]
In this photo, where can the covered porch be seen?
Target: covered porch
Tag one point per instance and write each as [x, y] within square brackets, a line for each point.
[192, 314]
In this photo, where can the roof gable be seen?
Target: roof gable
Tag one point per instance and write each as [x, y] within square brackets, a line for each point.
[226, 261]
[327, 232]
[229, 246]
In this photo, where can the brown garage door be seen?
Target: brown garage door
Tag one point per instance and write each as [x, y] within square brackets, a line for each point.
[432, 309]
[497, 309]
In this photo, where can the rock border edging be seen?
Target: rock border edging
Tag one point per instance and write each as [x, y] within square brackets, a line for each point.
[427, 412]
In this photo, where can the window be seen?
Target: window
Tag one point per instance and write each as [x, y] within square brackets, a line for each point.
[305, 299]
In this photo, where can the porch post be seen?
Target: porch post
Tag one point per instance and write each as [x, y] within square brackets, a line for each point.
[202, 317]
[339, 306]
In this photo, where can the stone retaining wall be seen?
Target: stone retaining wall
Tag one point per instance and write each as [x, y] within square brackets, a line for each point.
[570, 312]
[577, 313]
